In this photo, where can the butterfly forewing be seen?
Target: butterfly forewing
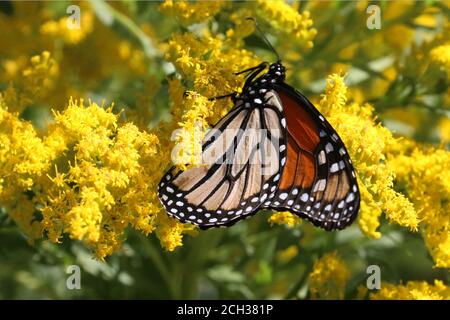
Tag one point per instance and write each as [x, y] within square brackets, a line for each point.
[241, 168]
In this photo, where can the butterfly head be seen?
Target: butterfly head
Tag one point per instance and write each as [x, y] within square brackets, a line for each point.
[277, 71]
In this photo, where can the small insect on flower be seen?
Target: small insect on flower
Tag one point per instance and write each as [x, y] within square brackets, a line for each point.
[273, 150]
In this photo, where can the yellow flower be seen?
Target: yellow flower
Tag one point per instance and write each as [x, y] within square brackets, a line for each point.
[23, 155]
[413, 290]
[328, 278]
[444, 129]
[103, 183]
[286, 255]
[285, 218]
[441, 56]
[425, 176]
[209, 63]
[36, 81]
[395, 9]
[286, 20]
[69, 31]
[398, 36]
[189, 12]
[23, 212]
[23, 158]
[426, 20]
[380, 86]
[170, 231]
[188, 149]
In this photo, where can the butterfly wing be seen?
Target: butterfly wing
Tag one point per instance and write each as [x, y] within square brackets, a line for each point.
[242, 165]
[318, 182]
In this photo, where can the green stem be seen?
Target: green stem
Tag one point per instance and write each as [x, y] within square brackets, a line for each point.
[9, 230]
[160, 265]
[198, 252]
[299, 284]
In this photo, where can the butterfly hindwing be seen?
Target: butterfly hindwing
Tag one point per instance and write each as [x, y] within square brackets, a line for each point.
[318, 182]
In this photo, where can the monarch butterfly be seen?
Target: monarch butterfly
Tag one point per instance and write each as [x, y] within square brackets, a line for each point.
[273, 150]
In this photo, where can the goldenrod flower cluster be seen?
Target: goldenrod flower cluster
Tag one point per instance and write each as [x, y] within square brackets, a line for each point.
[191, 12]
[328, 277]
[287, 20]
[425, 175]
[88, 176]
[413, 290]
[285, 218]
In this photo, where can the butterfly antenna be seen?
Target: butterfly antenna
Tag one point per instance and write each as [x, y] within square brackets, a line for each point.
[264, 38]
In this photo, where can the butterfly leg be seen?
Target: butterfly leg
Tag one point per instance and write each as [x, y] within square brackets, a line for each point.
[232, 95]
[259, 67]
[255, 72]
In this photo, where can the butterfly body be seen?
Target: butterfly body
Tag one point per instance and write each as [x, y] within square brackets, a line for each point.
[273, 150]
